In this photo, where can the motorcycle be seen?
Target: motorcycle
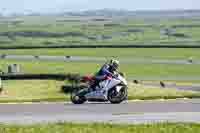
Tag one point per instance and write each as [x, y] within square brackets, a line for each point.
[112, 89]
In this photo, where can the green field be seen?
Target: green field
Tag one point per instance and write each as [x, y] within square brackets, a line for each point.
[113, 52]
[85, 31]
[49, 90]
[102, 128]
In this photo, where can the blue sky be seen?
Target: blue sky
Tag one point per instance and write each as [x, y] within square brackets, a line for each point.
[77, 5]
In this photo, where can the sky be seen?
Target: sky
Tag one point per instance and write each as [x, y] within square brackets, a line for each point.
[50, 6]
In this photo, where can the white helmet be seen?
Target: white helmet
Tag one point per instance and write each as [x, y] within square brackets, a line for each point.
[114, 63]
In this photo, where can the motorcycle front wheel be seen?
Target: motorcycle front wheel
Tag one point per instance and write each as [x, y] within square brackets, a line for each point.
[115, 98]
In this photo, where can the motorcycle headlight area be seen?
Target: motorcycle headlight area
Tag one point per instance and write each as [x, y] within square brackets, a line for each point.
[118, 88]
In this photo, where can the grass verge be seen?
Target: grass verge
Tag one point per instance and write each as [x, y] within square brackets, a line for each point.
[147, 93]
[102, 128]
[32, 91]
[91, 67]
[49, 90]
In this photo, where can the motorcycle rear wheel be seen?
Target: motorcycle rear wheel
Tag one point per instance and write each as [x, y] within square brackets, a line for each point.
[76, 99]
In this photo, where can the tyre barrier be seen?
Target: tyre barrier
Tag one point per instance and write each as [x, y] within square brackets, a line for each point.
[3, 56]
[103, 46]
[70, 77]
[36, 56]
[136, 81]
[1, 86]
[162, 84]
[67, 57]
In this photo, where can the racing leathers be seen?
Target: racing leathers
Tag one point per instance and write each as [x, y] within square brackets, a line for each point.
[106, 70]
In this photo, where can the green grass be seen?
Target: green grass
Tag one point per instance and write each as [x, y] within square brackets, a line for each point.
[145, 92]
[151, 35]
[115, 52]
[102, 128]
[32, 90]
[91, 67]
[49, 90]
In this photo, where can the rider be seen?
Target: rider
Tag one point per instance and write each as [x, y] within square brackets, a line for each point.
[108, 69]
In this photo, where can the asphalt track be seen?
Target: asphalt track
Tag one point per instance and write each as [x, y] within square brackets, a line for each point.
[125, 60]
[182, 110]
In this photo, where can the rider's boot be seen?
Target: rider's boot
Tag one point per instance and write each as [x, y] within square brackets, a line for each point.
[95, 86]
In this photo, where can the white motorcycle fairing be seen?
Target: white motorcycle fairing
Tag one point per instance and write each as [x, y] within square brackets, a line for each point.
[104, 86]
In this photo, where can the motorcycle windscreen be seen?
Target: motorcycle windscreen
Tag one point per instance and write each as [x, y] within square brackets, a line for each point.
[108, 84]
